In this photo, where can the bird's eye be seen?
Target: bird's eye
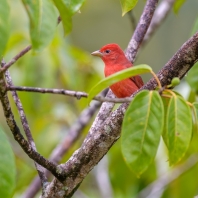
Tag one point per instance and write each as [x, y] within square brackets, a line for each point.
[107, 51]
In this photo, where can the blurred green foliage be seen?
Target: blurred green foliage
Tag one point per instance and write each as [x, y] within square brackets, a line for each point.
[7, 167]
[65, 63]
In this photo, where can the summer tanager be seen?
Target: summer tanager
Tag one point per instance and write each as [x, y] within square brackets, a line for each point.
[115, 61]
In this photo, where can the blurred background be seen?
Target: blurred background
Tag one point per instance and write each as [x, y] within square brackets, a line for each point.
[66, 63]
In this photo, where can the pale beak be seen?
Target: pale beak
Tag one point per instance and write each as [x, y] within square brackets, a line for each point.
[97, 53]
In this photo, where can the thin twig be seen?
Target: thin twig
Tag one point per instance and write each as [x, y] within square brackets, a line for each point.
[76, 94]
[19, 55]
[39, 168]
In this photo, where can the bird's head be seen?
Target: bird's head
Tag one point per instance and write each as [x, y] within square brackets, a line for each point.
[110, 53]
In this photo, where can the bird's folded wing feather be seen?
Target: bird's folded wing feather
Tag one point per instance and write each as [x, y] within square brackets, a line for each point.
[138, 81]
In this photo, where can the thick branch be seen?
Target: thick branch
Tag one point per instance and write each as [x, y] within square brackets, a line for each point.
[96, 144]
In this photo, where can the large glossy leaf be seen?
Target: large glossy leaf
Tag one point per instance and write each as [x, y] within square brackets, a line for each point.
[43, 22]
[177, 5]
[141, 130]
[7, 167]
[132, 71]
[191, 77]
[4, 25]
[127, 5]
[179, 128]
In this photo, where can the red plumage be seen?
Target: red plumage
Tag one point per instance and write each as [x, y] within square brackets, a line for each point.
[115, 61]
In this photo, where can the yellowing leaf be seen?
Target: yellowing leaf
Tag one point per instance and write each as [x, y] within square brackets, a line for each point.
[177, 5]
[127, 5]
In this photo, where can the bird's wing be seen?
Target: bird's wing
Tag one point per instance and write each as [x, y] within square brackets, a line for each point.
[138, 81]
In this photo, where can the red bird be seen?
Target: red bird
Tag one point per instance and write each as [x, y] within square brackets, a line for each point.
[115, 61]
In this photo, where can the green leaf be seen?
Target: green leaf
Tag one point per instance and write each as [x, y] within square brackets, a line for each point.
[7, 167]
[127, 5]
[66, 15]
[166, 104]
[179, 128]
[73, 5]
[195, 109]
[67, 8]
[192, 79]
[132, 71]
[191, 97]
[43, 22]
[4, 25]
[141, 130]
[177, 5]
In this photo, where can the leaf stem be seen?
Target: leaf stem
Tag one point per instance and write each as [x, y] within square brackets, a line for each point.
[169, 91]
[157, 79]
